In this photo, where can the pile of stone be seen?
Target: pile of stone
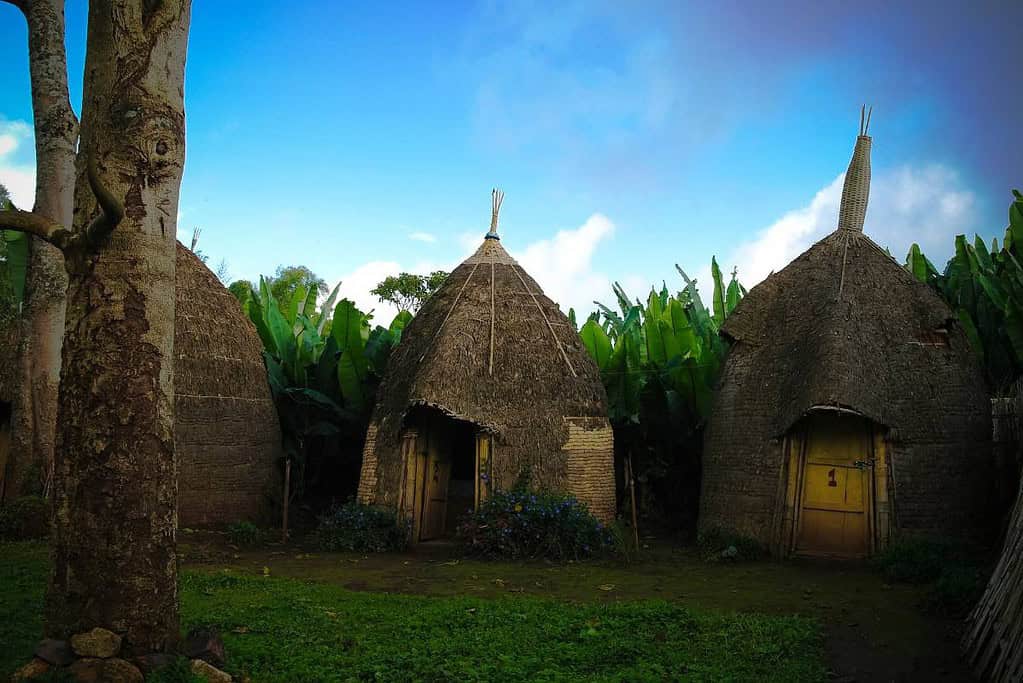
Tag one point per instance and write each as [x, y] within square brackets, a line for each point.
[94, 657]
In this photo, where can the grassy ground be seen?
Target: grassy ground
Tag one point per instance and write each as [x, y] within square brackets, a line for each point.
[289, 629]
[289, 614]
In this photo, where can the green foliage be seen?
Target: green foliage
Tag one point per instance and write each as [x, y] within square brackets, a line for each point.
[409, 291]
[956, 591]
[724, 545]
[360, 528]
[984, 286]
[24, 518]
[323, 366]
[659, 363]
[245, 534]
[915, 559]
[242, 290]
[521, 524]
[13, 267]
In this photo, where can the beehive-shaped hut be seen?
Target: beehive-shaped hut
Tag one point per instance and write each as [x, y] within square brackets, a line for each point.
[490, 382]
[850, 406]
[226, 432]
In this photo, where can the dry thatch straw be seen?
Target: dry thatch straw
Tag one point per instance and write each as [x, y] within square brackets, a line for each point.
[490, 349]
[844, 326]
[226, 431]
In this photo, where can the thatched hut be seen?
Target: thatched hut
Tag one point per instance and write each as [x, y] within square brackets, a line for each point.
[489, 383]
[226, 432]
[850, 406]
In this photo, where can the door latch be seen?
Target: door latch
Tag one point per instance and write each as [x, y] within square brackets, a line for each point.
[863, 464]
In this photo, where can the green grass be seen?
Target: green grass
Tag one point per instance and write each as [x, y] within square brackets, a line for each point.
[280, 629]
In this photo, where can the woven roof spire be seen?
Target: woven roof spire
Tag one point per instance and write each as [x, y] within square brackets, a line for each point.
[856, 190]
[498, 197]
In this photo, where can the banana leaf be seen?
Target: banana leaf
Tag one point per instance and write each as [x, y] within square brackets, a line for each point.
[398, 326]
[719, 293]
[597, 343]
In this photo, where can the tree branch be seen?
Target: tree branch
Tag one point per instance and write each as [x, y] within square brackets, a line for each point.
[34, 224]
[98, 231]
[20, 4]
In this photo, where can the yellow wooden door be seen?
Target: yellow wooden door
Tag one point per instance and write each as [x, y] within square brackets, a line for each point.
[436, 503]
[836, 487]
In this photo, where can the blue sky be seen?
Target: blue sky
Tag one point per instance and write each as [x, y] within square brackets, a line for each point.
[362, 138]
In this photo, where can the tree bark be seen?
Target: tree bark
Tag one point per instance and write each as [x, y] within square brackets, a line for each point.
[115, 563]
[42, 322]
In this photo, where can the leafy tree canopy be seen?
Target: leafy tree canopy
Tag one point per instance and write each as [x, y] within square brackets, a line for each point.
[409, 291]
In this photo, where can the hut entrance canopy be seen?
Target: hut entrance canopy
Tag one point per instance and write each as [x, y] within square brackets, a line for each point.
[836, 500]
[446, 466]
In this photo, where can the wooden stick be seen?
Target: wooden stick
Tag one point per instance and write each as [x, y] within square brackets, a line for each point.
[287, 499]
[632, 493]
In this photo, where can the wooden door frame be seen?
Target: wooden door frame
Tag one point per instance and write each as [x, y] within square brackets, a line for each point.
[877, 508]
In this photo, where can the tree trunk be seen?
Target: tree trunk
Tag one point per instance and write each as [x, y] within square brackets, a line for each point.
[115, 563]
[42, 324]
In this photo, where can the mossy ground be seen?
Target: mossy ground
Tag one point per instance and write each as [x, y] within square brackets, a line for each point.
[291, 614]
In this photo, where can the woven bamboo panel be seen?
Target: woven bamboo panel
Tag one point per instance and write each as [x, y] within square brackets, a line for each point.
[994, 640]
[368, 475]
[590, 450]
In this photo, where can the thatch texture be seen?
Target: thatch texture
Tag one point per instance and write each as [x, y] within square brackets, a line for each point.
[226, 432]
[844, 325]
[491, 349]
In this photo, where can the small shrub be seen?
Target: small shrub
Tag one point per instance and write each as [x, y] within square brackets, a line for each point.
[361, 528]
[245, 535]
[724, 545]
[915, 560]
[955, 592]
[24, 518]
[520, 524]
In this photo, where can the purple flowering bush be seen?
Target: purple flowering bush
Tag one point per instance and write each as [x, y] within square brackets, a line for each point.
[522, 524]
[362, 529]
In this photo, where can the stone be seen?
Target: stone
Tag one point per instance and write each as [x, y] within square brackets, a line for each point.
[154, 662]
[210, 672]
[55, 652]
[88, 670]
[205, 644]
[98, 642]
[120, 671]
[37, 667]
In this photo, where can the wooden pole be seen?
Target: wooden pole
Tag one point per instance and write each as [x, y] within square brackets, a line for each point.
[287, 499]
[632, 494]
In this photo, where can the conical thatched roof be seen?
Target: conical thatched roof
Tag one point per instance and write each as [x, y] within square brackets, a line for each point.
[491, 349]
[845, 326]
[226, 432]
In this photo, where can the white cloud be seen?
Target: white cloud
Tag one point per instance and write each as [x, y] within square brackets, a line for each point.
[422, 237]
[563, 264]
[19, 178]
[923, 204]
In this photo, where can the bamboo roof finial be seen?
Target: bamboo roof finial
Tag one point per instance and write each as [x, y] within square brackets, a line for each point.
[856, 189]
[498, 197]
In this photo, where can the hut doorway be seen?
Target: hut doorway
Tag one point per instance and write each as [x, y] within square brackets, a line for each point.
[444, 460]
[835, 460]
[5, 446]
